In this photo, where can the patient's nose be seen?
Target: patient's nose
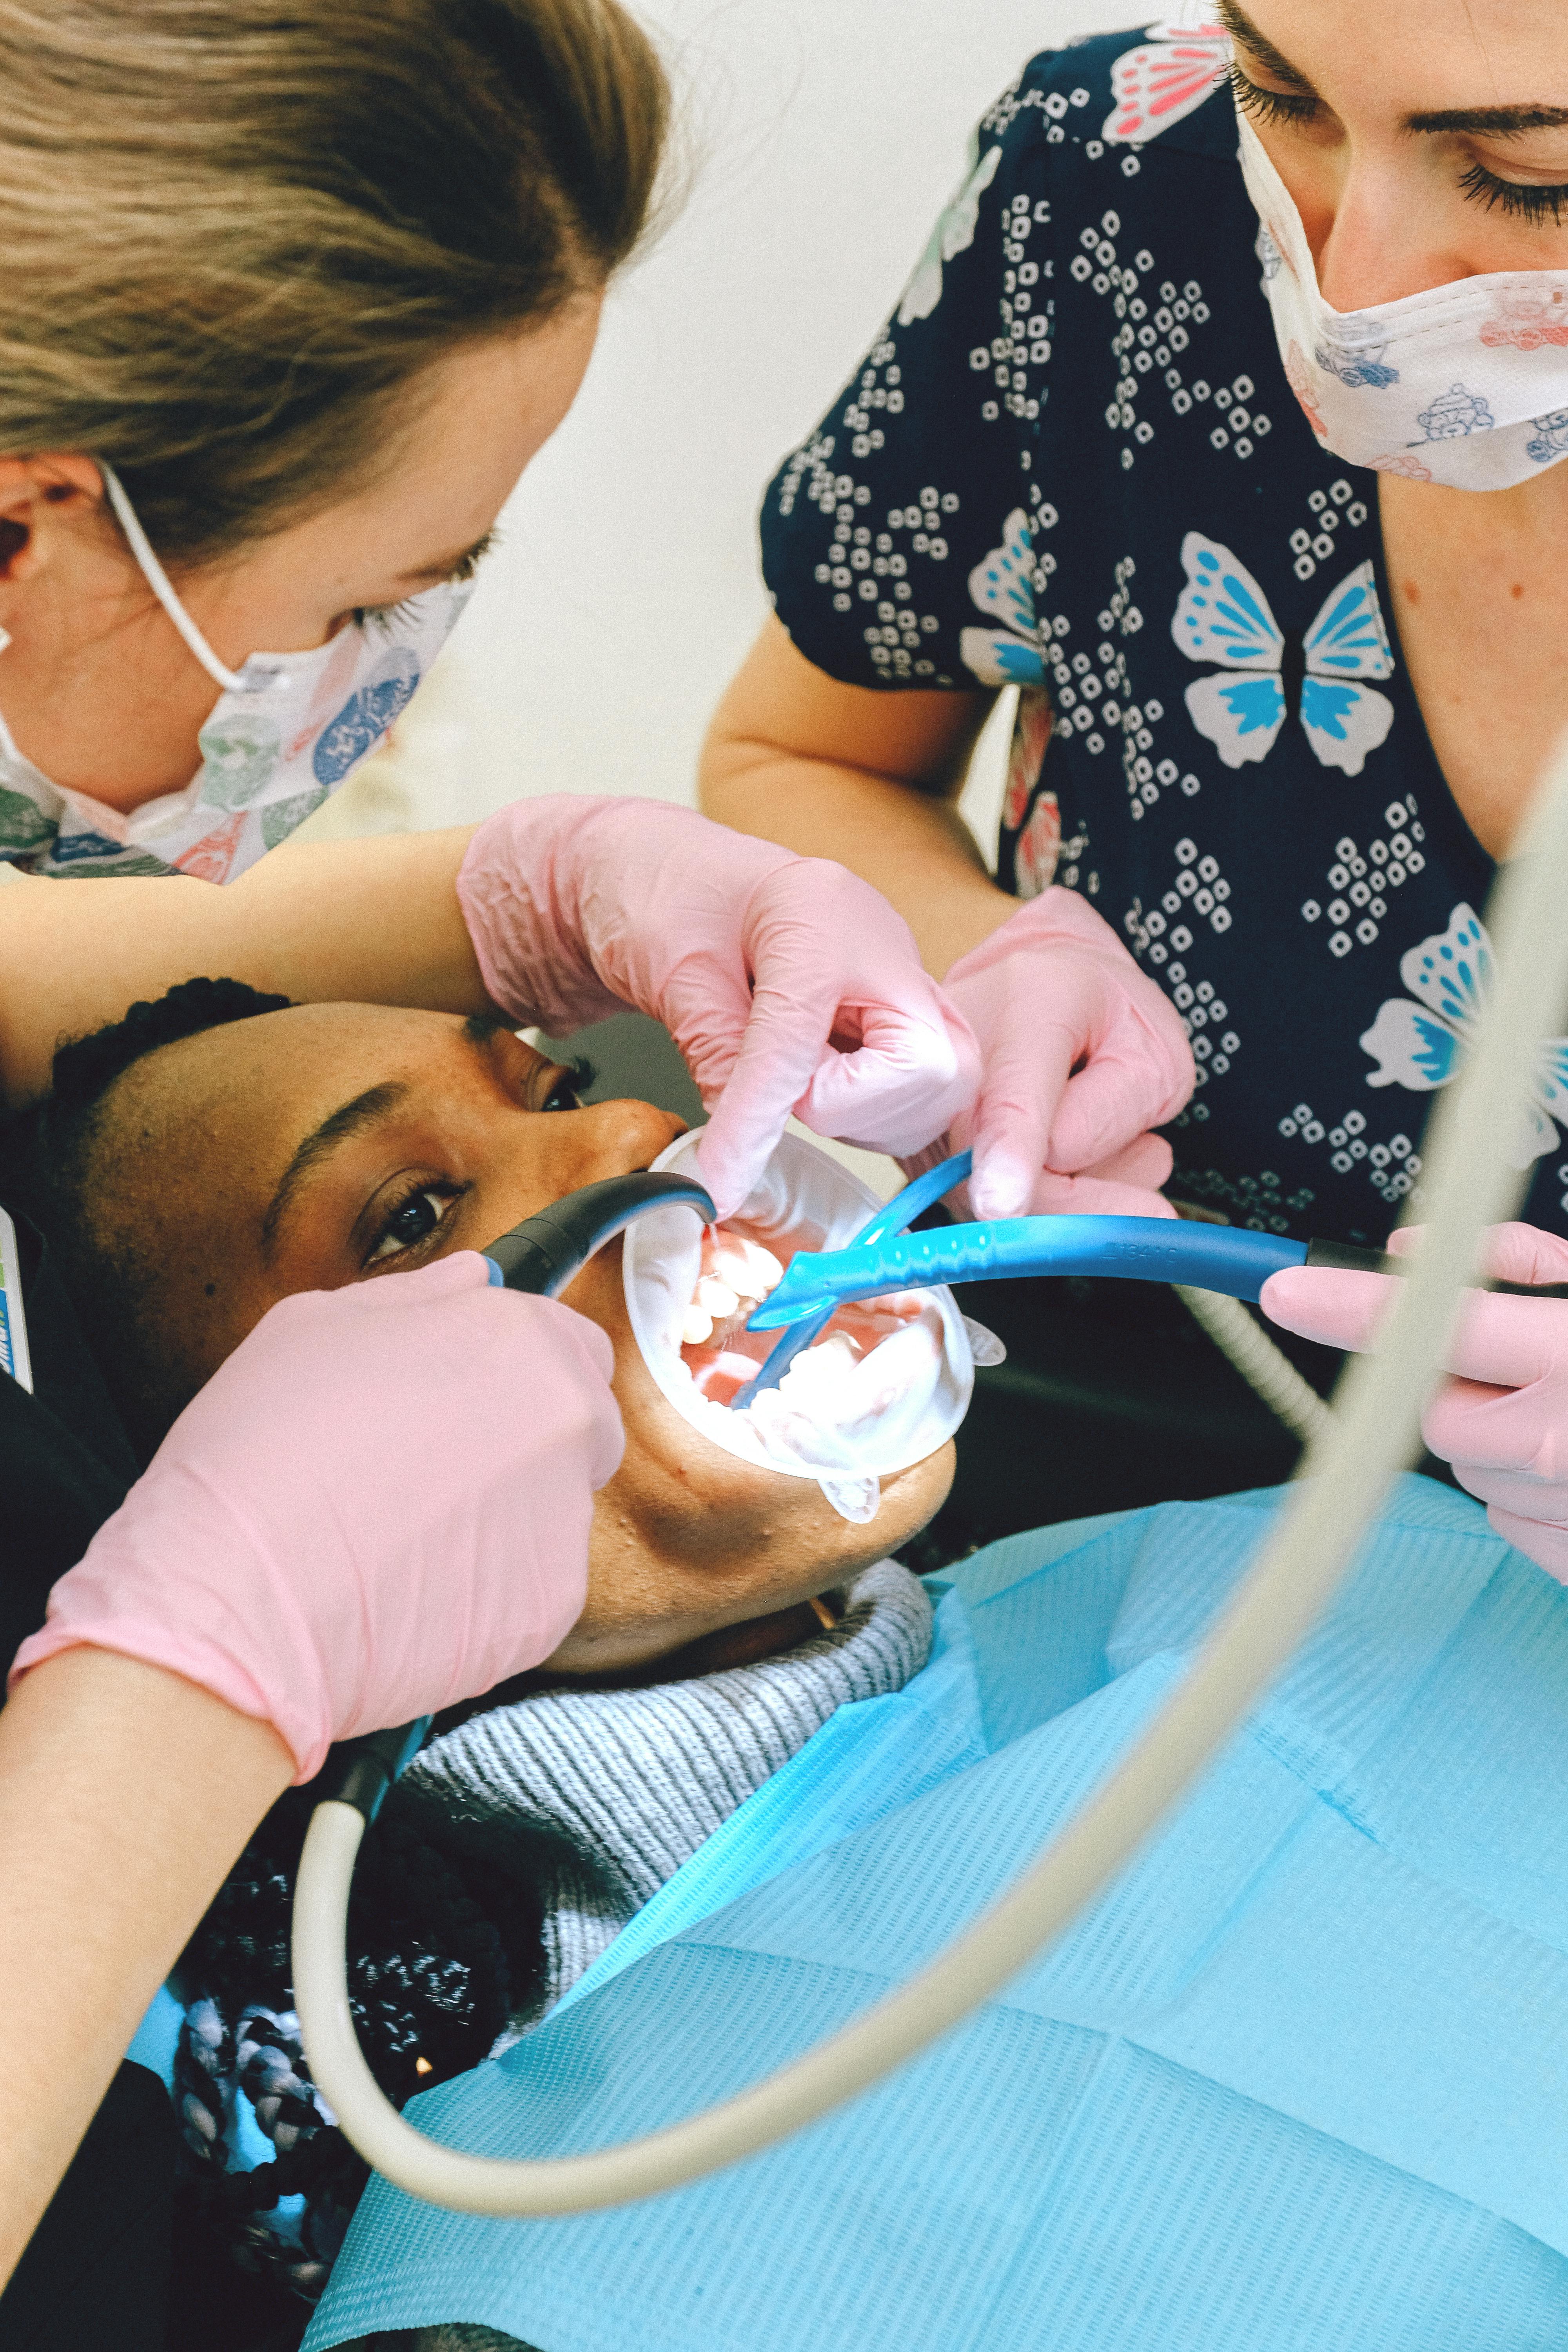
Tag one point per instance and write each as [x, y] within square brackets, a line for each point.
[611, 1138]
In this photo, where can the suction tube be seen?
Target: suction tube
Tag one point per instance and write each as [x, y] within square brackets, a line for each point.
[1349, 1470]
[544, 1252]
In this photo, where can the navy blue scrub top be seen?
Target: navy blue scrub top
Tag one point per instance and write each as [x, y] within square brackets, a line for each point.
[1071, 461]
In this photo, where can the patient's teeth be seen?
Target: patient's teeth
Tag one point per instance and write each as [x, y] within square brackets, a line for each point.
[716, 1298]
[696, 1326]
[749, 1269]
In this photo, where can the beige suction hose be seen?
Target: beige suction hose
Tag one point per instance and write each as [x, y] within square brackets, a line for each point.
[1373, 1435]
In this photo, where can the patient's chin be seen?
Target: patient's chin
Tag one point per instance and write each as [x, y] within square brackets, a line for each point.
[910, 1499]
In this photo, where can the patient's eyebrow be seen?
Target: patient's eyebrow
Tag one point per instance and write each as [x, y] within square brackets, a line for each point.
[349, 1119]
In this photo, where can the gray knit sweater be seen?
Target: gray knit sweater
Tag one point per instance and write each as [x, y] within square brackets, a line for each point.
[602, 1795]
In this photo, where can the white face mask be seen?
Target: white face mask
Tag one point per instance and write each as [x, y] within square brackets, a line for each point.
[286, 731]
[1465, 385]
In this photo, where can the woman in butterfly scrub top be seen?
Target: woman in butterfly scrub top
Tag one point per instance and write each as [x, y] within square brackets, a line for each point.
[1293, 706]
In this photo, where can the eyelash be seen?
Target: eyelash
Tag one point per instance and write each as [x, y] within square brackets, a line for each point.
[1271, 105]
[463, 569]
[1514, 199]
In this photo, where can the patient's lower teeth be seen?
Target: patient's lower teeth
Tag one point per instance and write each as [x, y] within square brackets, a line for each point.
[696, 1327]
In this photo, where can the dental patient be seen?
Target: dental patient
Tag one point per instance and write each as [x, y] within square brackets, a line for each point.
[1296, 2080]
[219, 1150]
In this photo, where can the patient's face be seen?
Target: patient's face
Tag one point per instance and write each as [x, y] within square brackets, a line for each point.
[331, 1144]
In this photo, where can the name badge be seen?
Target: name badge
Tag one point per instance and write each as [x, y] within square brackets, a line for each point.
[15, 1359]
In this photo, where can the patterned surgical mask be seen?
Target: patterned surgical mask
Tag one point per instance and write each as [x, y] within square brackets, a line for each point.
[1465, 385]
[286, 731]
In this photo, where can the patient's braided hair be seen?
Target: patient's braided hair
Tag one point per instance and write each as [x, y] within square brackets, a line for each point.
[48, 1151]
[442, 1951]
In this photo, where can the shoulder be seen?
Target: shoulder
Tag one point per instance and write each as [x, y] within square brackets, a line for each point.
[1158, 86]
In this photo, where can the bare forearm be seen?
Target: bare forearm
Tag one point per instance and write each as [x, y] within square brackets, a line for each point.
[868, 778]
[913, 846]
[370, 921]
[125, 1795]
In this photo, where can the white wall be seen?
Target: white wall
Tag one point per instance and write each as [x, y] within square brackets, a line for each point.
[822, 138]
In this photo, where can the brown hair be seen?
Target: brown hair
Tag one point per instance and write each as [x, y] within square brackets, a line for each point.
[233, 231]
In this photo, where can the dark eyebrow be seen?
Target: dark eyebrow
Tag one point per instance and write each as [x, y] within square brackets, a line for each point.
[349, 1119]
[1240, 27]
[1479, 121]
[1499, 120]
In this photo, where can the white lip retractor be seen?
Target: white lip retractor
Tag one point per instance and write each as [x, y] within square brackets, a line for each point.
[897, 1405]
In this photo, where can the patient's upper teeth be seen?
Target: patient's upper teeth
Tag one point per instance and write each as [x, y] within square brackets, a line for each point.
[749, 1268]
[716, 1298]
[695, 1327]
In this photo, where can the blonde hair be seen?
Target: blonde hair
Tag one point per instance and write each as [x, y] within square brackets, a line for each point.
[232, 232]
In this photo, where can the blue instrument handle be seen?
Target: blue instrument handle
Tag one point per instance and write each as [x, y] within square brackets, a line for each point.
[893, 1218]
[1138, 1249]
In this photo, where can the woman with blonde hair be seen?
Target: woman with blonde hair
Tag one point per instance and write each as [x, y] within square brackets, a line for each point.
[292, 293]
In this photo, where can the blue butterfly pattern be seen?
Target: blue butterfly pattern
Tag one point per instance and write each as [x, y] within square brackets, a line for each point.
[1224, 616]
[1422, 1045]
[1002, 585]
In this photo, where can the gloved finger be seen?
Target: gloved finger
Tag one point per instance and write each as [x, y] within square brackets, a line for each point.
[1544, 1500]
[1507, 1343]
[1518, 1253]
[1514, 1252]
[706, 1005]
[1504, 1343]
[1338, 1309]
[1093, 1196]
[1546, 1546]
[1133, 1079]
[1145, 1163]
[752, 1055]
[910, 1076]
[1512, 1432]
[1019, 1095]
[1457, 1427]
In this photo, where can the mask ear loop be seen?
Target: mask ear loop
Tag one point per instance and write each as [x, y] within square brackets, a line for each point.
[158, 580]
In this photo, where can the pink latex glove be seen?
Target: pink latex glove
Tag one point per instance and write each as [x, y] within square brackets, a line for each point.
[1503, 1422]
[1051, 988]
[788, 984]
[378, 1505]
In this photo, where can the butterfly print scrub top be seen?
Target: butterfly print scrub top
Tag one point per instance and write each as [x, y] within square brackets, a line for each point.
[1071, 462]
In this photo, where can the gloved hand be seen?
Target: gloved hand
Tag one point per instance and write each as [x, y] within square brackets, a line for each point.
[788, 984]
[1051, 988]
[1503, 1422]
[377, 1506]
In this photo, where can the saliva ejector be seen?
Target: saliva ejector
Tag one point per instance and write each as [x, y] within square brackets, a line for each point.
[1373, 1434]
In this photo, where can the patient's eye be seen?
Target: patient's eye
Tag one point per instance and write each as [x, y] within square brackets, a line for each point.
[566, 1094]
[418, 1215]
